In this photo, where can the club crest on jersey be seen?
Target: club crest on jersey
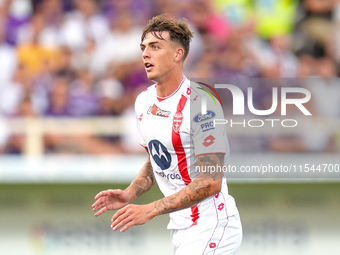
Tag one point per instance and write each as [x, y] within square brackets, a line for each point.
[201, 117]
[155, 110]
[177, 121]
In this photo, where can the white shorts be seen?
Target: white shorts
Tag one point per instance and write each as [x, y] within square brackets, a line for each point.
[223, 237]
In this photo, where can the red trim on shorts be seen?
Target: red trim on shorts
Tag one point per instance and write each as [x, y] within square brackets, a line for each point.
[226, 225]
[218, 222]
[182, 159]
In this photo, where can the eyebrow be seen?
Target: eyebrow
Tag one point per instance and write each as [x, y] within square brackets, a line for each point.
[150, 43]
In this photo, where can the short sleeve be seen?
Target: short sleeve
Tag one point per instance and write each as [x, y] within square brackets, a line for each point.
[208, 136]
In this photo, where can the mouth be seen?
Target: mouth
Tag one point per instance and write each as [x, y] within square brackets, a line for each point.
[148, 66]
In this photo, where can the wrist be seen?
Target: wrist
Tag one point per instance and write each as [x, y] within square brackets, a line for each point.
[129, 193]
[153, 210]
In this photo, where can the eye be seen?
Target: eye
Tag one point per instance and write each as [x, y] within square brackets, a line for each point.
[155, 47]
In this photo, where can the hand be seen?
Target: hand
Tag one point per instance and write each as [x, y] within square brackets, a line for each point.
[132, 215]
[110, 200]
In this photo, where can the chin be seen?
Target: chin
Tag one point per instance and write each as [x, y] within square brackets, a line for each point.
[151, 77]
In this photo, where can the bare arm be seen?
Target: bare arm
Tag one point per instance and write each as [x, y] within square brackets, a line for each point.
[202, 187]
[144, 181]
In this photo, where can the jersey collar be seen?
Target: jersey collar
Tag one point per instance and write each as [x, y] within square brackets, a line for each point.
[160, 99]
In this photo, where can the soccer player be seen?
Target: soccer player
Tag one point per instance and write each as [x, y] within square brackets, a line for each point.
[181, 143]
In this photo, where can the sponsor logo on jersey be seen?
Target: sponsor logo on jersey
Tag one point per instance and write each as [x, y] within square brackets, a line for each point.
[202, 117]
[158, 111]
[208, 141]
[159, 154]
[207, 126]
[172, 176]
[177, 121]
[140, 117]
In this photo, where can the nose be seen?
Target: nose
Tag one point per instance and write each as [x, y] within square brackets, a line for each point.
[145, 53]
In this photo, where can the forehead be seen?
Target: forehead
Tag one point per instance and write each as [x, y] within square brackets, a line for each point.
[150, 37]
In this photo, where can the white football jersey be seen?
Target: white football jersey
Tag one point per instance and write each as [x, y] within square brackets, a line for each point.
[175, 131]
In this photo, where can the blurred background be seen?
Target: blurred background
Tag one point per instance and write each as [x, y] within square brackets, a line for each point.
[70, 71]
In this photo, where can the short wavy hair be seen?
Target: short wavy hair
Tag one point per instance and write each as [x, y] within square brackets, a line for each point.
[179, 31]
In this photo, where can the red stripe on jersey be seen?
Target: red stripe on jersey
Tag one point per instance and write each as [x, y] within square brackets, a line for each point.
[178, 146]
[181, 157]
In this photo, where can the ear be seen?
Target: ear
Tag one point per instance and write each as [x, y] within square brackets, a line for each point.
[179, 54]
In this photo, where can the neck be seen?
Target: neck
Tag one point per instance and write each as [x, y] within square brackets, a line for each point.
[169, 86]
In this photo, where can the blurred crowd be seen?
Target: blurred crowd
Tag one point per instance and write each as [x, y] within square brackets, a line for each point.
[81, 58]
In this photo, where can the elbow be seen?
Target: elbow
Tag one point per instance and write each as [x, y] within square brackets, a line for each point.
[216, 187]
[207, 187]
